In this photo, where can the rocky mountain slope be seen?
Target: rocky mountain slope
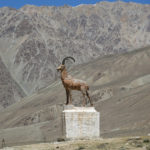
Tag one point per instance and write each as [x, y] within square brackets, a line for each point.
[34, 40]
[120, 90]
[10, 91]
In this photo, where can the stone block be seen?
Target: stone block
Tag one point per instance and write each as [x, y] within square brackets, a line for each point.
[81, 122]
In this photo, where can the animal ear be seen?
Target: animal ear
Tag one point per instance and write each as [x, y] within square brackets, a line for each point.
[63, 66]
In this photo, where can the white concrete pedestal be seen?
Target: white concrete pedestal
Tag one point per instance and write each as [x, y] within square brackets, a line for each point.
[81, 122]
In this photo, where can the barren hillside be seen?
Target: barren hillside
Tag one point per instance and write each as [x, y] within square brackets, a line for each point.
[119, 87]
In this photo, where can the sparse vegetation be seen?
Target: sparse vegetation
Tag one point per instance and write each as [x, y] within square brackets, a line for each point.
[139, 145]
[122, 148]
[60, 139]
[148, 147]
[136, 143]
[102, 146]
[146, 141]
[80, 147]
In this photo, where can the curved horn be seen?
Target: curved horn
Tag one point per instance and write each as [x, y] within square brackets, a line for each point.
[63, 62]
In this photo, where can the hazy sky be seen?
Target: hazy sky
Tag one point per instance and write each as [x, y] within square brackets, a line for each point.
[19, 3]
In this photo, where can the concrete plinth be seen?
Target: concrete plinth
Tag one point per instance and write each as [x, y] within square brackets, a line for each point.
[81, 122]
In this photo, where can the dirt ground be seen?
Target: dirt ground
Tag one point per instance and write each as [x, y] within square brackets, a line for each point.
[126, 143]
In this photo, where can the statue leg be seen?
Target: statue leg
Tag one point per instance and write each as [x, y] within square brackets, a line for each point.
[70, 94]
[84, 100]
[87, 94]
[67, 96]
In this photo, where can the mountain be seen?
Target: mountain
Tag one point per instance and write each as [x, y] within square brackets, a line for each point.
[120, 90]
[34, 40]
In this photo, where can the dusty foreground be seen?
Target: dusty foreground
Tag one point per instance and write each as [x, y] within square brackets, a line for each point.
[128, 143]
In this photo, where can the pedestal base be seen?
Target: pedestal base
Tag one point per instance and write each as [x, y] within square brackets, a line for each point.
[81, 122]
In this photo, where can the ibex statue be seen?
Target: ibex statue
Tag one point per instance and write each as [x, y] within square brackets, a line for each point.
[73, 84]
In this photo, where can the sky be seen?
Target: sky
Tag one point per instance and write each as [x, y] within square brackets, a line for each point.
[19, 3]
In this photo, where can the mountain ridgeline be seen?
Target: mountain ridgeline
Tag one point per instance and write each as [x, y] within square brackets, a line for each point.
[34, 40]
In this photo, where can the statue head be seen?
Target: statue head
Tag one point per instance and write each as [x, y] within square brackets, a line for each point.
[61, 68]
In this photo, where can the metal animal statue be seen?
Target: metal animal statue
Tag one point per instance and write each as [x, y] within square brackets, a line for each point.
[73, 84]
